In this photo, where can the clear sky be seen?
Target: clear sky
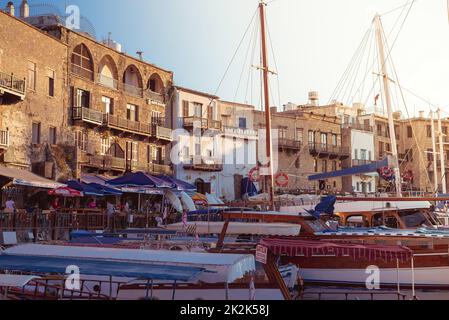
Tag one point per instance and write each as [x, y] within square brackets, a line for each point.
[313, 42]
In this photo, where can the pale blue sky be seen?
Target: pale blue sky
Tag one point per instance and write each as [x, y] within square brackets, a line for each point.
[313, 40]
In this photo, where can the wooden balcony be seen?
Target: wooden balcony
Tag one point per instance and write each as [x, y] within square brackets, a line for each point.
[329, 151]
[152, 168]
[289, 144]
[123, 124]
[203, 164]
[358, 126]
[9, 84]
[4, 139]
[202, 123]
[107, 81]
[106, 162]
[240, 132]
[162, 133]
[88, 115]
[356, 163]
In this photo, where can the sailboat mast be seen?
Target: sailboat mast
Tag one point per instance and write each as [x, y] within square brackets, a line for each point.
[434, 152]
[269, 182]
[442, 160]
[383, 61]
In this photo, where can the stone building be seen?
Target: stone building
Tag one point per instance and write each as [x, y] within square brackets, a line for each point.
[33, 99]
[87, 105]
[308, 143]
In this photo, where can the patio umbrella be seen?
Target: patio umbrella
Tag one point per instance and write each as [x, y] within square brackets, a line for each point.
[86, 189]
[65, 192]
[180, 185]
[106, 190]
[140, 179]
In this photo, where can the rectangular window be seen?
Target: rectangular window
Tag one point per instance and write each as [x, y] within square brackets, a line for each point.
[52, 135]
[324, 139]
[108, 105]
[356, 154]
[132, 112]
[299, 134]
[315, 165]
[334, 139]
[324, 166]
[82, 98]
[36, 136]
[334, 166]
[156, 118]
[282, 133]
[379, 130]
[198, 110]
[363, 154]
[185, 108]
[409, 132]
[242, 123]
[51, 83]
[210, 113]
[311, 138]
[81, 140]
[132, 151]
[429, 131]
[105, 145]
[32, 75]
[429, 155]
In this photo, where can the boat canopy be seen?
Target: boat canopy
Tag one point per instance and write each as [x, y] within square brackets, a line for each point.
[240, 228]
[295, 247]
[368, 168]
[221, 268]
[93, 267]
[28, 179]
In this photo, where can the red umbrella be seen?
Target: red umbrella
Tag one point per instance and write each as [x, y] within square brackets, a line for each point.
[65, 192]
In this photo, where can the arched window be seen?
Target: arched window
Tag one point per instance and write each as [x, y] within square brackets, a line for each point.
[82, 63]
[132, 81]
[155, 84]
[108, 74]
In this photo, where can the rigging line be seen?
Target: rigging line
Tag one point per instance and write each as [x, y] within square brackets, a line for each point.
[358, 67]
[274, 60]
[234, 55]
[243, 67]
[250, 73]
[395, 9]
[342, 78]
[361, 90]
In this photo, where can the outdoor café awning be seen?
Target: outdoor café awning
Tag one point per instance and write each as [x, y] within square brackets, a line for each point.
[28, 179]
[308, 249]
[140, 179]
[220, 268]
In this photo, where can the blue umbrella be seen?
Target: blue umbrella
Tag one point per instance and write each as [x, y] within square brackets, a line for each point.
[106, 190]
[140, 179]
[86, 189]
[180, 185]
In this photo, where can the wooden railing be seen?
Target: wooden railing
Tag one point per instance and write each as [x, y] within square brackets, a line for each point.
[89, 115]
[107, 81]
[289, 144]
[128, 125]
[327, 149]
[162, 133]
[358, 126]
[12, 83]
[153, 168]
[191, 122]
[203, 164]
[154, 96]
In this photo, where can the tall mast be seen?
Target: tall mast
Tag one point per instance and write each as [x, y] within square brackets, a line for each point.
[434, 152]
[443, 163]
[269, 182]
[383, 61]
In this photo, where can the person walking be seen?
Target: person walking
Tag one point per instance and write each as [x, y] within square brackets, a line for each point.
[110, 211]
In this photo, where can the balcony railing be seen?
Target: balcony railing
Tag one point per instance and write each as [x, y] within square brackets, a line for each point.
[133, 90]
[289, 144]
[321, 149]
[356, 163]
[358, 126]
[106, 162]
[4, 138]
[13, 84]
[128, 125]
[88, 115]
[245, 133]
[154, 96]
[152, 168]
[84, 73]
[107, 81]
[203, 123]
[203, 164]
[162, 133]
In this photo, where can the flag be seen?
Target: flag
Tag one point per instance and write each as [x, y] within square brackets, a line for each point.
[376, 98]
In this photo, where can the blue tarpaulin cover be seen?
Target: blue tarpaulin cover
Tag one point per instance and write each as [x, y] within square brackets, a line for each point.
[140, 179]
[326, 206]
[133, 270]
[368, 168]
